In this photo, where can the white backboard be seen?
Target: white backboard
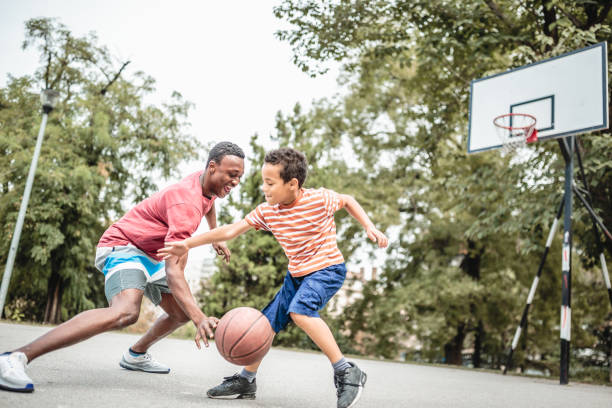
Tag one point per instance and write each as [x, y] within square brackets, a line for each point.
[567, 94]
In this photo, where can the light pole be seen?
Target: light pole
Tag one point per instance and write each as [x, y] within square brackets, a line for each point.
[48, 98]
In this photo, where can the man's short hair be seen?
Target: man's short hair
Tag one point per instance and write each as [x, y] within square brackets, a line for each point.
[223, 149]
[293, 162]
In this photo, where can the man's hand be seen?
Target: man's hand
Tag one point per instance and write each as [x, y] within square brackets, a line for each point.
[377, 236]
[222, 250]
[177, 248]
[204, 330]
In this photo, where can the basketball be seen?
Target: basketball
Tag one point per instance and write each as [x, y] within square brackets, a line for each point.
[243, 336]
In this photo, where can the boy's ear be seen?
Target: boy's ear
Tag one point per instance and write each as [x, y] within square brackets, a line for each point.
[294, 183]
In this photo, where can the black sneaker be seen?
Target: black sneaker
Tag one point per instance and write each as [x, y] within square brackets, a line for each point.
[234, 386]
[349, 385]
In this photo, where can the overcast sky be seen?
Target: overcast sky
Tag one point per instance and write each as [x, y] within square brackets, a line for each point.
[221, 55]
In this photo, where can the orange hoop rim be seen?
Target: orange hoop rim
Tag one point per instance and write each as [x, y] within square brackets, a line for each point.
[510, 115]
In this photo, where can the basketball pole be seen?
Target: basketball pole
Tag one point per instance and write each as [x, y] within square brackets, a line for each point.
[534, 286]
[589, 206]
[566, 264]
[596, 223]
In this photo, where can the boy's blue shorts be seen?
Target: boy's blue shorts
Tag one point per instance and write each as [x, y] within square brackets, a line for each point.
[304, 295]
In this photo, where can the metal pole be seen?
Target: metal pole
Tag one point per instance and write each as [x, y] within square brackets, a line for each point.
[10, 261]
[534, 286]
[602, 258]
[566, 268]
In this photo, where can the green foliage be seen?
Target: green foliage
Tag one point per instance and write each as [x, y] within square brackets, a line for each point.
[103, 148]
[471, 228]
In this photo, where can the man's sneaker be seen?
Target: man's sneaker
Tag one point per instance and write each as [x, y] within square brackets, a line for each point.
[12, 373]
[235, 386]
[143, 362]
[349, 385]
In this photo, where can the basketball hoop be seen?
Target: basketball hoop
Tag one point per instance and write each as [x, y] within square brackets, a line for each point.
[515, 130]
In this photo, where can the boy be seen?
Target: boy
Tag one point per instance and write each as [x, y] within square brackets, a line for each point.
[302, 220]
[127, 255]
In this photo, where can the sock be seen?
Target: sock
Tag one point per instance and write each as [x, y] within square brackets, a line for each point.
[340, 365]
[135, 354]
[249, 375]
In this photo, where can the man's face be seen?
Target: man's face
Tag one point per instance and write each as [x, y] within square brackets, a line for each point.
[225, 175]
[274, 187]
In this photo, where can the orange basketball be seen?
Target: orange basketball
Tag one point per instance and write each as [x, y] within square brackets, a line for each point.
[243, 336]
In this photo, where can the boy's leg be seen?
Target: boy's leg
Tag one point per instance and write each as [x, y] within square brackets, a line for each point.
[243, 385]
[123, 311]
[348, 378]
[313, 294]
[320, 334]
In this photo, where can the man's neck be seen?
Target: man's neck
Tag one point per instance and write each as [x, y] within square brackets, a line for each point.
[205, 192]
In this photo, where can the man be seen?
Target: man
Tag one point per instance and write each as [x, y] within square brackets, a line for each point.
[127, 255]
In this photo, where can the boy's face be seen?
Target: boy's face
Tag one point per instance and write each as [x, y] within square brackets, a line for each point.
[274, 187]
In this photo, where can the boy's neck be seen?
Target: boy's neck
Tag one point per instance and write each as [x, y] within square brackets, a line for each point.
[291, 202]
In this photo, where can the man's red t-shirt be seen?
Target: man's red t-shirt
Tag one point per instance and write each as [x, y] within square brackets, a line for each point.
[172, 214]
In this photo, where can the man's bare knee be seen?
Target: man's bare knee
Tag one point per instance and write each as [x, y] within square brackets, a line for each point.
[125, 317]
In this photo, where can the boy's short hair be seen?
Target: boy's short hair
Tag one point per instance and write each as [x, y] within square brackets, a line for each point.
[294, 164]
[223, 149]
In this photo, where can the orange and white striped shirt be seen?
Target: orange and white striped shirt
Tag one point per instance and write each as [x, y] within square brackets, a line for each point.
[306, 229]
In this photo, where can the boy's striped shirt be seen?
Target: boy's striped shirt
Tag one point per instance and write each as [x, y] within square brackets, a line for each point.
[306, 229]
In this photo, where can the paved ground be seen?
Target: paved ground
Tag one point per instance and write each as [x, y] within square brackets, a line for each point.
[88, 375]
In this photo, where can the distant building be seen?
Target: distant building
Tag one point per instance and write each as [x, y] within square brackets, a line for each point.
[198, 270]
[352, 290]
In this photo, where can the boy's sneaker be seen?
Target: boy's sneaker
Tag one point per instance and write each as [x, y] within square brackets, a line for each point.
[349, 385]
[144, 363]
[234, 386]
[12, 373]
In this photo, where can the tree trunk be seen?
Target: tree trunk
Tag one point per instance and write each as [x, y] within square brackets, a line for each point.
[55, 290]
[478, 345]
[452, 350]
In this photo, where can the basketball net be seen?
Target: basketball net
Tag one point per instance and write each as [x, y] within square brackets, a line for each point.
[515, 130]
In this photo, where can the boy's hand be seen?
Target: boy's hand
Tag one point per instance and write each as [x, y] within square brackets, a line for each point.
[177, 248]
[204, 330]
[222, 250]
[377, 236]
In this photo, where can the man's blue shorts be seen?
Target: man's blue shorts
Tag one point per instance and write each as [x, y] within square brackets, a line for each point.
[304, 295]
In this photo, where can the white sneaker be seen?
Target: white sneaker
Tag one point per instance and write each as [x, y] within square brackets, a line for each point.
[144, 363]
[12, 373]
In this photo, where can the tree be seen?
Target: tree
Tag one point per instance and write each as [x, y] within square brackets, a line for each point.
[103, 149]
[466, 220]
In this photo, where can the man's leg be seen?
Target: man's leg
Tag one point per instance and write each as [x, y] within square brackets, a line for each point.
[164, 325]
[123, 311]
[137, 358]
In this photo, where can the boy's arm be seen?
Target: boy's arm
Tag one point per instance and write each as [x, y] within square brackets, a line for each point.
[219, 247]
[224, 233]
[357, 212]
[175, 277]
